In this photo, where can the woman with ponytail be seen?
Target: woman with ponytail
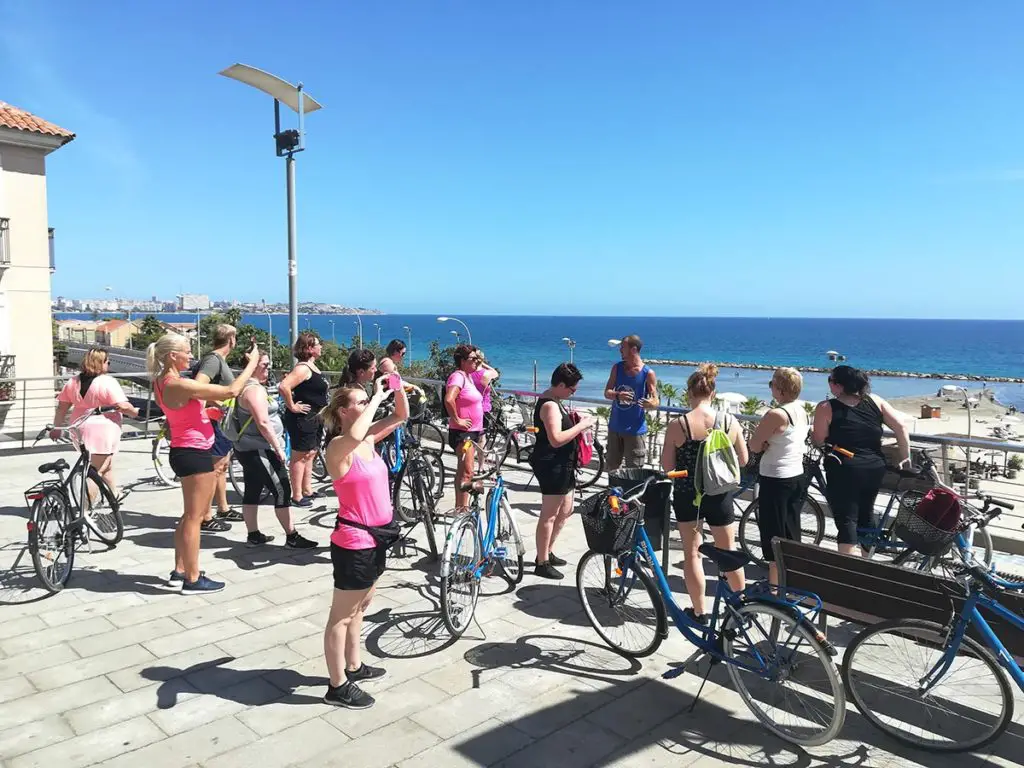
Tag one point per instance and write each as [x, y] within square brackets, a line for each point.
[182, 402]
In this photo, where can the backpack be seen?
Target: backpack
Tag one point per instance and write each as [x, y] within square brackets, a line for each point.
[718, 467]
[940, 508]
[584, 442]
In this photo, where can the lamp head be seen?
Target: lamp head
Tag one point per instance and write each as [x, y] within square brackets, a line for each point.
[442, 319]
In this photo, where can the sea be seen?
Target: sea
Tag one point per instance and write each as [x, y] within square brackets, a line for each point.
[519, 346]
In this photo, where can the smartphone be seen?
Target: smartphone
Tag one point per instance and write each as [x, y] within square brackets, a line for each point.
[394, 382]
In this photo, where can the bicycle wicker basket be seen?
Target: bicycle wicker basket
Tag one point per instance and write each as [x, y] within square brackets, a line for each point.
[919, 534]
[608, 533]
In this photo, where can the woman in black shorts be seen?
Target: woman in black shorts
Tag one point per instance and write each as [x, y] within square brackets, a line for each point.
[260, 450]
[554, 463]
[683, 438]
[304, 391]
[853, 420]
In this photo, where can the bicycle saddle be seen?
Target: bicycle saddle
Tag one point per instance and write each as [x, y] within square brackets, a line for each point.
[725, 559]
[474, 488]
[54, 466]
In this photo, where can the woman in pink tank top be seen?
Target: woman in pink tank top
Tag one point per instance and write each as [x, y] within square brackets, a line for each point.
[364, 501]
[182, 401]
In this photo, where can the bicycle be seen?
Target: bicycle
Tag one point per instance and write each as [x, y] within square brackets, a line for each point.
[950, 667]
[412, 497]
[161, 453]
[62, 511]
[470, 553]
[761, 636]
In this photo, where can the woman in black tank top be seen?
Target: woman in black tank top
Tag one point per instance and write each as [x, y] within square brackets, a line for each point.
[852, 420]
[554, 463]
[305, 393]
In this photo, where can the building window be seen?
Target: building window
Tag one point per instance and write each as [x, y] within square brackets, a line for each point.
[5, 242]
[53, 262]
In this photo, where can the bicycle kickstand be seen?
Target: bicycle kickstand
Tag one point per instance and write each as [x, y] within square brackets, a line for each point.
[678, 670]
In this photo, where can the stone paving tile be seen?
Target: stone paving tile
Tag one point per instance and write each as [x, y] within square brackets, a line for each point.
[32, 736]
[486, 744]
[37, 641]
[577, 745]
[192, 747]
[40, 705]
[383, 747]
[122, 638]
[23, 626]
[107, 607]
[12, 666]
[14, 688]
[182, 641]
[92, 666]
[200, 615]
[409, 698]
[470, 708]
[295, 746]
[232, 671]
[197, 710]
[93, 747]
[125, 706]
[276, 614]
[167, 668]
[258, 640]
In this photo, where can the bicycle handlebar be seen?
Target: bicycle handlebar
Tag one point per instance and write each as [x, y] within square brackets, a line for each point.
[638, 491]
[990, 500]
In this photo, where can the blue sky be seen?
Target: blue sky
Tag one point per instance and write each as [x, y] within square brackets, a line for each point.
[576, 157]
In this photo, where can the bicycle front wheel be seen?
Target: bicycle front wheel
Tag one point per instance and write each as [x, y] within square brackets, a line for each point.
[102, 513]
[622, 603]
[161, 455]
[429, 436]
[460, 586]
[783, 674]
[812, 527]
[508, 537]
[587, 475]
[437, 472]
[51, 540]
[966, 708]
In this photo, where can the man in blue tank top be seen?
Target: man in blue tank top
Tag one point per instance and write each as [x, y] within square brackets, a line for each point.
[633, 389]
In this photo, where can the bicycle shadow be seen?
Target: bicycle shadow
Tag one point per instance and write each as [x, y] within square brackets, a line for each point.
[109, 581]
[19, 584]
[407, 634]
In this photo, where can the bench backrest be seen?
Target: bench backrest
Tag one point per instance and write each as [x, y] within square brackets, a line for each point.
[867, 591]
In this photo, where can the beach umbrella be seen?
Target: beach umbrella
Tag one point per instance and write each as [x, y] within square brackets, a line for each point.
[731, 397]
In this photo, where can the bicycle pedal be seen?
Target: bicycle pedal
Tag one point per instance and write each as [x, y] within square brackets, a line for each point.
[674, 672]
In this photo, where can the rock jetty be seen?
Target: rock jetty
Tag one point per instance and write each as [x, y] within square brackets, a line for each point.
[874, 372]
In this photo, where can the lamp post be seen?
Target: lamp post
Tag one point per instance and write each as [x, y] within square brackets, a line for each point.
[408, 346]
[287, 143]
[571, 344]
[377, 326]
[458, 338]
[359, 321]
[332, 329]
[270, 331]
[444, 319]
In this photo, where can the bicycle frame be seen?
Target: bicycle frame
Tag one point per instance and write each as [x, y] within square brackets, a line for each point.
[487, 539]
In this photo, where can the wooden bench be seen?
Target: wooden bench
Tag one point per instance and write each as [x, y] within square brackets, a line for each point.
[867, 591]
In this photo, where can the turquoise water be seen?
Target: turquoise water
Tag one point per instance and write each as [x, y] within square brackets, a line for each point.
[513, 343]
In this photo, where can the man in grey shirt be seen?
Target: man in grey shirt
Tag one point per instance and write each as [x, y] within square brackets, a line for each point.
[213, 368]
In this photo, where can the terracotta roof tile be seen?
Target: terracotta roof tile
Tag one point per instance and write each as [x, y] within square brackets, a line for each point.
[111, 325]
[20, 120]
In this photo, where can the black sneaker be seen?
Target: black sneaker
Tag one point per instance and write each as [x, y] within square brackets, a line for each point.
[214, 526]
[204, 585]
[230, 515]
[302, 503]
[366, 674]
[348, 695]
[547, 571]
[556, 560]
[176, 579]
[296, 541]
[702, 619]
[257, 539]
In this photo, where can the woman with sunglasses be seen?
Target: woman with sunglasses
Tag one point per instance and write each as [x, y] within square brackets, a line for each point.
[852, 419]
[260, 450]
[394, 354]
[304, 392]
[361, 482]
[465, 406]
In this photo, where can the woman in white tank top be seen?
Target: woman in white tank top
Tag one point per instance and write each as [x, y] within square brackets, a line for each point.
[781, 438]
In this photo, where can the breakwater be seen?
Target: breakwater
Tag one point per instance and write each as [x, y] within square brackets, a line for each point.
[872, 372]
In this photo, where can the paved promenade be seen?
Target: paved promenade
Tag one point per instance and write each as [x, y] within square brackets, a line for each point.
[119, 671]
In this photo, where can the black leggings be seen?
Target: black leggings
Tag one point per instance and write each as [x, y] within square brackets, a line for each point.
[262, 469]
[851, 495]
[779, 500]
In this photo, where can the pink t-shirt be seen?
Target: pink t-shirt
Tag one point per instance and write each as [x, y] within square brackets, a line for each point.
[100, 433]
[189, 425]
[469, 404]
[363, 496]
[478, 380]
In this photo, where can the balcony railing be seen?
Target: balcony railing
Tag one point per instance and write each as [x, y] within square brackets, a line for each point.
[5, 243]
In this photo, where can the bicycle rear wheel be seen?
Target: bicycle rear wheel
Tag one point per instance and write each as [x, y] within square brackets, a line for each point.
[812, 527]
[437, 473]
[161, 455]
[508, 536]
[102, 514]
[460, 587]
[967, 708]
[51, 540]
[783, 674]
[622, 603]
[588, 475]
[320, 473]
[426, 505]
[429, 436]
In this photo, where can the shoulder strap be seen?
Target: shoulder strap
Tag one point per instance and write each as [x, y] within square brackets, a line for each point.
[686, 424]
[788, 415]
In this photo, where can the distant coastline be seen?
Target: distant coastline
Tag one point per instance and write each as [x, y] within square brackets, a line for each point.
[871, 372]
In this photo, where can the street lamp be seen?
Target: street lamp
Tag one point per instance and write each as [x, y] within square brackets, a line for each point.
[408, 346]
[377, 326]
[444, 319]
[456, 335]
[270, 332]
[332, 329]
[287, 143]
[571, 344]
[359, 322]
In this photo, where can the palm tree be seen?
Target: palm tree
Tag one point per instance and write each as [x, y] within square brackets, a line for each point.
[654, 428]
[809, 410]
[602, 412]
[751, 406]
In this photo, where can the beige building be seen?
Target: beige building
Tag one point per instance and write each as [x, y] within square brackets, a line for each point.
[26, 255]
[115, 333]
[78, 331]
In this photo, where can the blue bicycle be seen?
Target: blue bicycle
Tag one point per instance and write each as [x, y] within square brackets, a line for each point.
[472, 551]
[779, 663]
[935, 687]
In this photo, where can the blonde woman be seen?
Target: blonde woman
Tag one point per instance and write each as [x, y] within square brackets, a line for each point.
[683, 438]
[360, 479]
[781, 438]
[101, 433]
[182, 401]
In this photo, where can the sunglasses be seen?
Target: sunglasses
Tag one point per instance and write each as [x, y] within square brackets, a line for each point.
[263, 365]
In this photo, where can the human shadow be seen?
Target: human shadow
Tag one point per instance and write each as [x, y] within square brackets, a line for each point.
[109, 581]
[256, 558]
[215, 679]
